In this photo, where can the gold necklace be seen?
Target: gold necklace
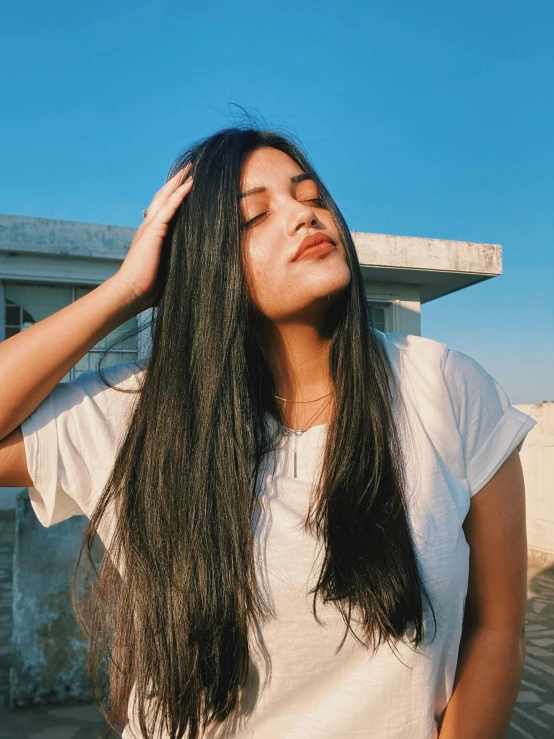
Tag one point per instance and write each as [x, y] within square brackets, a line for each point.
[301, 401]
[299, 432]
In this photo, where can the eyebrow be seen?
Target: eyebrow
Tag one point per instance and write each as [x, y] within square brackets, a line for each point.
[297, 178]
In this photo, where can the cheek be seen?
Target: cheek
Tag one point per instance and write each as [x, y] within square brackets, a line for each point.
[264, 273]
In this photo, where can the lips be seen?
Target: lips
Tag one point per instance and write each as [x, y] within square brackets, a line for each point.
[313, 240]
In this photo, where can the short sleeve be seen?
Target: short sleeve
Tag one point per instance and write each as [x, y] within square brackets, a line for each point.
[490, 426]
[71, 440]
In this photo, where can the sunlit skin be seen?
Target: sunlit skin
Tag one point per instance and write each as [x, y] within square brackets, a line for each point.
[293, 297]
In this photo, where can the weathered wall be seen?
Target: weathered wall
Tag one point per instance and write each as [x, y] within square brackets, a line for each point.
[48, 649]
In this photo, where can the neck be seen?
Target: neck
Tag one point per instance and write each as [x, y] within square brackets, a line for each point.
[298, 357]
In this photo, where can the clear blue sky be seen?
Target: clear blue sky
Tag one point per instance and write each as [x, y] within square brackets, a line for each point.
[425, 119]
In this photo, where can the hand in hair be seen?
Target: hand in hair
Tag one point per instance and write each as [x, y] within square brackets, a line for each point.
[139, 269]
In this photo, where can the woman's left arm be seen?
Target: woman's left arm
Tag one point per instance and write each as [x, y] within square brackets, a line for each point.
[492, 647]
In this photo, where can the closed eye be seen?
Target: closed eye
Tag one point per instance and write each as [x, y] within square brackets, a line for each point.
[256, 218]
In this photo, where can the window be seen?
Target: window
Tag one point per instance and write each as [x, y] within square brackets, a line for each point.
[26, 304]
[378, 313]
[17, 318]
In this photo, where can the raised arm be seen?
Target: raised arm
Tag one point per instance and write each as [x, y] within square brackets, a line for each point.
[34, 361]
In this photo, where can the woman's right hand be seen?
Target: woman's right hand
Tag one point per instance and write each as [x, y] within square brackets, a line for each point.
[139, 269]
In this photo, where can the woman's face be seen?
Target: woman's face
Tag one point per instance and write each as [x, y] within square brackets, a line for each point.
[283, 289]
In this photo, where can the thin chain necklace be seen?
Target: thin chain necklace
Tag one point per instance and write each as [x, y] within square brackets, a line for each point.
[301, 401]
[299, 432]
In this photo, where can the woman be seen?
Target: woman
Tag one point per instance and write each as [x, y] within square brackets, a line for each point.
[286, 495]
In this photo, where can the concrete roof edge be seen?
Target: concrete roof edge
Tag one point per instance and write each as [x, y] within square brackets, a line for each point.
[29, 234]
[440, 255]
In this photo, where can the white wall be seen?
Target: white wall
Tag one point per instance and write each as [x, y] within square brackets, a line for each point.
[537, 460]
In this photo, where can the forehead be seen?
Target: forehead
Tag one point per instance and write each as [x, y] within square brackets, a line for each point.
[268, 167]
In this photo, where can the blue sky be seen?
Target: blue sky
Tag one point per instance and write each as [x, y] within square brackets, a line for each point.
[425, 119]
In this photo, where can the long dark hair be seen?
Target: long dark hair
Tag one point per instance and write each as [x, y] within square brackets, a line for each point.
[174, 593]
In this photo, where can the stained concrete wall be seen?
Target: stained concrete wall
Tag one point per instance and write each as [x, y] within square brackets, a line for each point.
[48, 648]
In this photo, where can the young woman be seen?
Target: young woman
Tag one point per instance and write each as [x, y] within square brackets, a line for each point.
[287, 499]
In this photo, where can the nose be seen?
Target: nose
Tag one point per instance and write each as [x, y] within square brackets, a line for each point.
[303, 215]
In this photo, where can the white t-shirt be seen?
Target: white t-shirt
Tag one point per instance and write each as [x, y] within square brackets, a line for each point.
[459, 428]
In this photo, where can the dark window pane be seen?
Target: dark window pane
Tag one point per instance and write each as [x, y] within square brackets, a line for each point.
[377, 313]
[12, 315]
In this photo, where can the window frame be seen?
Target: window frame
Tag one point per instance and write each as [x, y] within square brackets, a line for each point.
[74, 286]
[388, 306]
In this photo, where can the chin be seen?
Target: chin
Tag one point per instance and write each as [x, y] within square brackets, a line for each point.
[330, 283]
[328, 292]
